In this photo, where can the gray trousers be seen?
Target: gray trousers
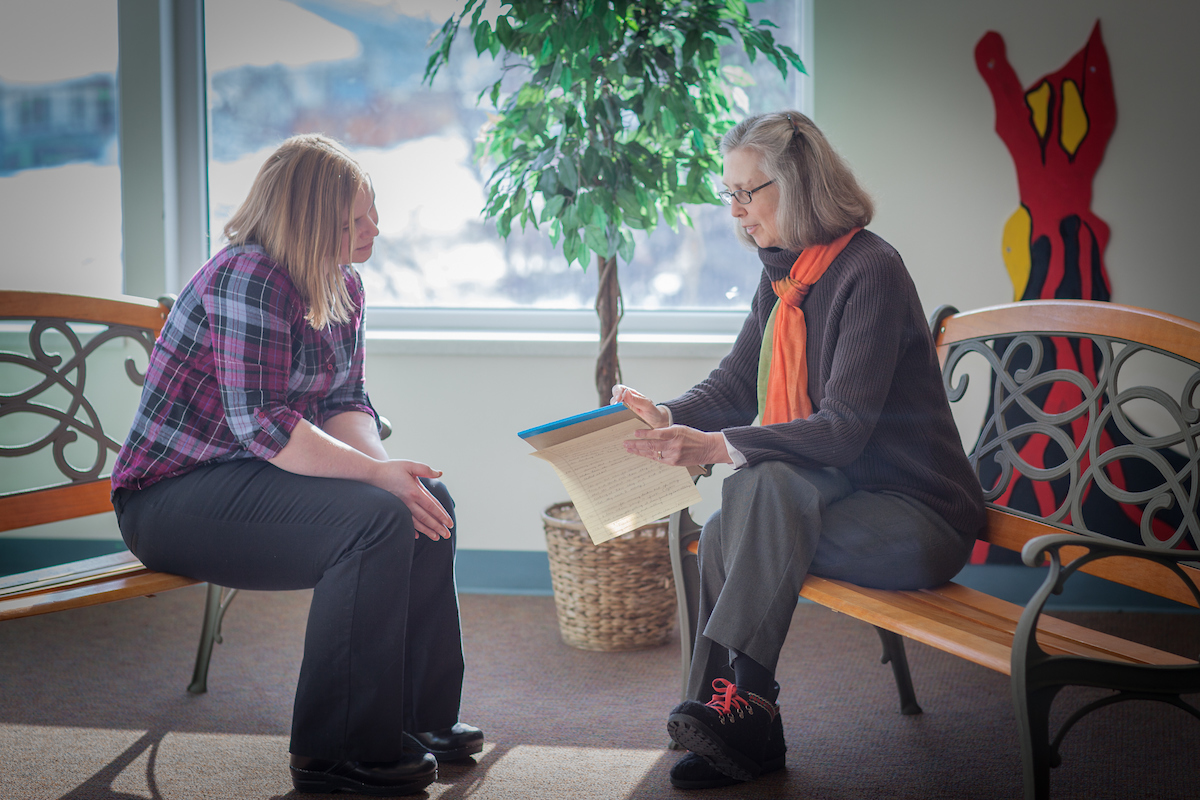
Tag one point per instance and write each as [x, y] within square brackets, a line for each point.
[777, 524]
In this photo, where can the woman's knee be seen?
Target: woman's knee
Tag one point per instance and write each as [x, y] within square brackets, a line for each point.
[441, 494]
[393, 518]
[781, 479]
[763, 472]
[372, 516]
[777, 473]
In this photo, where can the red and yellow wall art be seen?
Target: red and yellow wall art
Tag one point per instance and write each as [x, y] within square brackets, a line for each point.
[1056, 131]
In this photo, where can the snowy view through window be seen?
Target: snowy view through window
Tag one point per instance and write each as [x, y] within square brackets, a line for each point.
[352, 69]
[60, 185]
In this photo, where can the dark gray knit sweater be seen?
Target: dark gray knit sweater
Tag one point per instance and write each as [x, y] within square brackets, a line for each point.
[880, 412]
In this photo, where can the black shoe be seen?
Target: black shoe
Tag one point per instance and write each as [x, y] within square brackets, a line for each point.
[694, 771]
[412, 773]
[738, 732]
[449, 744]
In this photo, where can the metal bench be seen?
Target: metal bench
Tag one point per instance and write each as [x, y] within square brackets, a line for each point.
[62, 421]
[1094, 410]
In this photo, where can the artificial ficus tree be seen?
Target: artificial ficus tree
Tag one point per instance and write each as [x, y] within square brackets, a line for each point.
[616, 125]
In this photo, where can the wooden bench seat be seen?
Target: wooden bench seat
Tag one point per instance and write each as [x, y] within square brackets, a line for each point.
[1119, 444]
[973, 625]
[86, 582]
[64, 360]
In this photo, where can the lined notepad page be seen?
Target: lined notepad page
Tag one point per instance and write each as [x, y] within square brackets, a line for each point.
[615, 491]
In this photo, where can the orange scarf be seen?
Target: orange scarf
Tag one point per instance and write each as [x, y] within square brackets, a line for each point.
[786, 396]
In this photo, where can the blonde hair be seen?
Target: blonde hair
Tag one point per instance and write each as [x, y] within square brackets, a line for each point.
[819, 198]
[301, 198]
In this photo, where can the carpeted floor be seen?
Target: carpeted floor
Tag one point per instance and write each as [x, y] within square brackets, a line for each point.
[93, 706]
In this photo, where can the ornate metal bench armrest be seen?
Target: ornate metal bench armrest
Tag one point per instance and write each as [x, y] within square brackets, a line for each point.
[1036, 552]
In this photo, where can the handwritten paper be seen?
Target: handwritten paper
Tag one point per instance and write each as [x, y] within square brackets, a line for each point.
[615, 491]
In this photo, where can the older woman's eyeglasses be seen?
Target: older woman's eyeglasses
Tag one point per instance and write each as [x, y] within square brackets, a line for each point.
[743, 196]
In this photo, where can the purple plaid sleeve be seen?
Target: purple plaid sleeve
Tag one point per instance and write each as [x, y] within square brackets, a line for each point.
[351, 394]
[251, 316]
[235, 370]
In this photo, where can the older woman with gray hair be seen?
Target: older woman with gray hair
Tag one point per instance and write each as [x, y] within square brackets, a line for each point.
[854, 470]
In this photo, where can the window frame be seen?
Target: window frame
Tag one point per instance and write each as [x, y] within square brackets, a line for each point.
[180, 223]
[163, 142]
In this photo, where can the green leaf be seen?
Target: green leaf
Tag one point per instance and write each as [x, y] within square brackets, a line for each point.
[596, 240]
[483, 37]
[670, 124]
[536, 24]
[691, 44]
[573, 247]
[737, 9]
[504, 223]
[547, 182]
[584, 208]
[609, 21]
[628, 202]
[626, 246]
[552, 208]
[504, 31]
[567, 174]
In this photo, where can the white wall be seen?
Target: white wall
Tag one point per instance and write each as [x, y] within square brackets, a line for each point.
[898, 93]
[460, 413]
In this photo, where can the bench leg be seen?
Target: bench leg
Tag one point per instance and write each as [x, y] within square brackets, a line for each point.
[893, 653]
[682, 530]
[215, 605]
[1038, 755]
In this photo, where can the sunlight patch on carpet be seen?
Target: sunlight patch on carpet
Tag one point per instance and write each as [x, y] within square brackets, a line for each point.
[136, 764]
[597, 773]
[139, 764]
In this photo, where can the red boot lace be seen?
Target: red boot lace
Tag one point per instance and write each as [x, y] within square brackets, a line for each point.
[726, 700]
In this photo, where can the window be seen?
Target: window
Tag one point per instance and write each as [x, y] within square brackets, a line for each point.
[59, 171]
[353, 69]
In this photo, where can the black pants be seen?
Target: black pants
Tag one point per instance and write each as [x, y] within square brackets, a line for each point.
[383, 650]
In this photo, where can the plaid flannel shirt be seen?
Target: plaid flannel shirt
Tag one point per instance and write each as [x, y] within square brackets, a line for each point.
[236, 367]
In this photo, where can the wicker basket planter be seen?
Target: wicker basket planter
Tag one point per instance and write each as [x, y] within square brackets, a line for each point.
[618, 595]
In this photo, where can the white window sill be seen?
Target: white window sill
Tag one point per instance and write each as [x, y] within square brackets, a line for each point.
[563, 345]
[520, 333]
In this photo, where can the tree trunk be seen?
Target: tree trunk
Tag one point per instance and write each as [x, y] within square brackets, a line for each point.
[609, 308]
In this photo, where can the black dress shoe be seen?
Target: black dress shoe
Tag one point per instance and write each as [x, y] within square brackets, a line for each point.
[412, 773]
[449, 744]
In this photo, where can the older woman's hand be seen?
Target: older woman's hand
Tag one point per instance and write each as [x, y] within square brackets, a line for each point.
[642, 406]
[680, 446]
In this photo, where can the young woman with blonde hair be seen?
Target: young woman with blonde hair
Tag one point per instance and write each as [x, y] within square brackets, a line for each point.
[855, 470]
[254, 461]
